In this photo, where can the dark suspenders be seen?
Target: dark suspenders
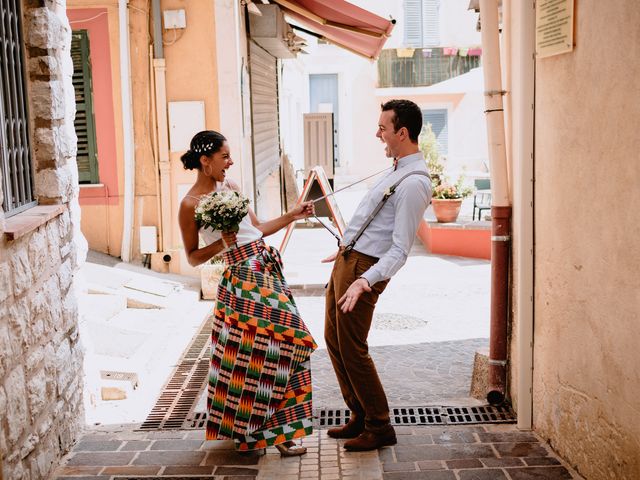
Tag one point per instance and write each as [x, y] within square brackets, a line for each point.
[390, 191]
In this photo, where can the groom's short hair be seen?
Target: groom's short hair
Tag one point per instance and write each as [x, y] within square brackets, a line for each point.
[407, 114]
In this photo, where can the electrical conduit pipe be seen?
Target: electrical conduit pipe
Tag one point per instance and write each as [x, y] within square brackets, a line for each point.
[500, 208]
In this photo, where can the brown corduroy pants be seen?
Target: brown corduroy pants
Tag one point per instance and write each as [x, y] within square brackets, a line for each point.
[346, 338]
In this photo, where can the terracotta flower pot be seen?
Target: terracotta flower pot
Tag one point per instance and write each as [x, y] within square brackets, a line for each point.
[446, 211]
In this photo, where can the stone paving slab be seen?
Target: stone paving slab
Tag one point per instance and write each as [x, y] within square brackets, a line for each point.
[478, 452]
[424, 374]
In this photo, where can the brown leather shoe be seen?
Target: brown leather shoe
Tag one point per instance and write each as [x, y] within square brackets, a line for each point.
[352, 429]
[368, 440]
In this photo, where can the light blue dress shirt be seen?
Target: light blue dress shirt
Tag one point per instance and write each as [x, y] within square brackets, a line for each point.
[390, 235]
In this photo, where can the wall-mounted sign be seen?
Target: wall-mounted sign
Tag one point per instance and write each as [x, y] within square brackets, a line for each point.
[554, 27]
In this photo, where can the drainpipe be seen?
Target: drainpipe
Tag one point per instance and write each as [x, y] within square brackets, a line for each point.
[127, 130]
[159, 67]
[500, 208]
[523, 98]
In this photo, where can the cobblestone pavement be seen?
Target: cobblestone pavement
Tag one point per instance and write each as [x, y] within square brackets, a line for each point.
[488, 452]
[412, 375]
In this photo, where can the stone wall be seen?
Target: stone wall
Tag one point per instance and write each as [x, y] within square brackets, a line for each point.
[41, 360]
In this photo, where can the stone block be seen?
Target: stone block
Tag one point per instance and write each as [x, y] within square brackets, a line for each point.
[18, 324]
[65, 275]
[37, 393]
[5, 346]
[45, 29]
[38, 253]
[17, 415]
[480, 376]
[70, 314]
[55, 183]
[44, 426]
[22, 276]
[64, 375]
[47, 65]
[6, 285]
[64, 224]
[47, 102]
[28, 445]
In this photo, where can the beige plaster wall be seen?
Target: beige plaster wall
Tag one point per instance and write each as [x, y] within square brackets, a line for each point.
[191, 75]
[587, 300]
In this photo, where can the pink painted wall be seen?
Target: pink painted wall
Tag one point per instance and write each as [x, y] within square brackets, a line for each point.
[95, 21]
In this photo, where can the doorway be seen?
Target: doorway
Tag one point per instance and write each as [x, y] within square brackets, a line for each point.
[323, 98]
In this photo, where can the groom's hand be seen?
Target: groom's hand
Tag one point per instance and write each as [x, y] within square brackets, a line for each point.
[330, 258]
[348, 301]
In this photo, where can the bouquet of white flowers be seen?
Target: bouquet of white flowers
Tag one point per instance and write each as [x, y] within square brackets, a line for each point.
[222, 210]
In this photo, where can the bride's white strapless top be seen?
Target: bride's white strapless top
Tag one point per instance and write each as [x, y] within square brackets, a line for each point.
[247, 233]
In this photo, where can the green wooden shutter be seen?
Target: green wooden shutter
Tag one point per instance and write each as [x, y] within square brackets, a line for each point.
[87, 157]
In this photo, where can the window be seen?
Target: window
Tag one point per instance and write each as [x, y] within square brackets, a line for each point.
[15, 147]
[439, 126]
[422, 25]
[87, 156]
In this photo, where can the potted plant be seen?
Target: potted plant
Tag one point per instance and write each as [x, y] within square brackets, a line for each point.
[210, 274]
[446, 197]
[447, 200]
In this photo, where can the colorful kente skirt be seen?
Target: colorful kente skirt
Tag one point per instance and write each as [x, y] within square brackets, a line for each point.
[259, 390]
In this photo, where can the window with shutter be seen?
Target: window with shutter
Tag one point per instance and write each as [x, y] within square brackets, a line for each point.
[413, 23]
[87, 157]
[439, 126]
[15, 148]
[421, 23]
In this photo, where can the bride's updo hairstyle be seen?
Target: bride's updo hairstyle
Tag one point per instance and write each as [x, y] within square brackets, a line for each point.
[202, 143]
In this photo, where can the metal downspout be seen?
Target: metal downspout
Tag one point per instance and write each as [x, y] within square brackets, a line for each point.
[501, 207]
[127, 130]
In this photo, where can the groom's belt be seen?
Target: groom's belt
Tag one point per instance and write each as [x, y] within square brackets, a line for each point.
[345, 250]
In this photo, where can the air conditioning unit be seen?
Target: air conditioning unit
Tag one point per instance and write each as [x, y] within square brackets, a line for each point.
[273, 33]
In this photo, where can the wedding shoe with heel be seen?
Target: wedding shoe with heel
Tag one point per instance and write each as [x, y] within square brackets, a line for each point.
[290, 449]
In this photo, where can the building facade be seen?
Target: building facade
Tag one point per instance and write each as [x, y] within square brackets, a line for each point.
[41, 245]
[575, 286]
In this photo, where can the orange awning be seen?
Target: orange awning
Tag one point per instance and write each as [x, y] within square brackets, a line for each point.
[342, 24]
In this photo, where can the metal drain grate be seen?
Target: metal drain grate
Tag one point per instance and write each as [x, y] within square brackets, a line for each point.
[174, 408]
[429, 415]
[479, 414]
[179, 396]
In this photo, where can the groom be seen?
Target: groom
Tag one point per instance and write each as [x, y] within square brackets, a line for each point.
[361, 273]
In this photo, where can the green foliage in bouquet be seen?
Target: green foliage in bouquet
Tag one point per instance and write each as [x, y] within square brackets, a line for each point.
[222, 211]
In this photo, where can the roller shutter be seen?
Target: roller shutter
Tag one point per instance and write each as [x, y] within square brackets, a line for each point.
[264, 112]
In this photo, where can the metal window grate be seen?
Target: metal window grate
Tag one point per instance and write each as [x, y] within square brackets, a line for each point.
[15, 150]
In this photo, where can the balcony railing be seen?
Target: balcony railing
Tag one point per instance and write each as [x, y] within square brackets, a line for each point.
[424, 66]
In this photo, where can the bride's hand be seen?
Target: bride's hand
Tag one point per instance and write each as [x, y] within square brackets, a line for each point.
[229, 239]
[302, 210]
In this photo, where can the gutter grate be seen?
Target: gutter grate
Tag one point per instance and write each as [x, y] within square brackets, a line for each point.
[175, 408]
[427, 415]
